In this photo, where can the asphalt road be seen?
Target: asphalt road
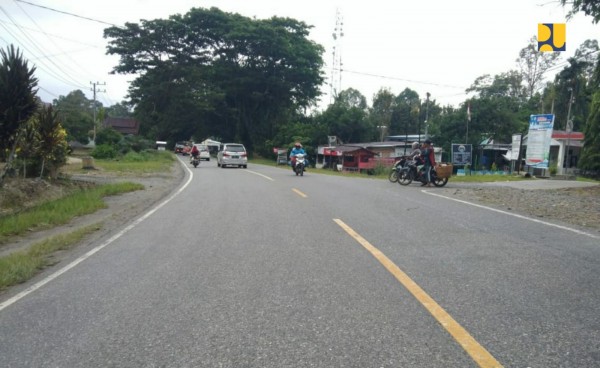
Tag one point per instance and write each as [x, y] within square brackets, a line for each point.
[259, 268]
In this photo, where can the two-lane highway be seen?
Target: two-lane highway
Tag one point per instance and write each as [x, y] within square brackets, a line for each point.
[259, 268]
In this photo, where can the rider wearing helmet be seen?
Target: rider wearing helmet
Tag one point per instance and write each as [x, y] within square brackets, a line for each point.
[295, 151]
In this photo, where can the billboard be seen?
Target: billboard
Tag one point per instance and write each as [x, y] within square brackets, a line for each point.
[461, 154]
[538, 140]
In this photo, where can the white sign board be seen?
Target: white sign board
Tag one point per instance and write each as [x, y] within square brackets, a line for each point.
[538, 140]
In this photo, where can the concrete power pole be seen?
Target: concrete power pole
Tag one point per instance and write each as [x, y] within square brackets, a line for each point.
[94, 107]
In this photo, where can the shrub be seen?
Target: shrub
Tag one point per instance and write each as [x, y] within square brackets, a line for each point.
[104, 151]
[108, 136]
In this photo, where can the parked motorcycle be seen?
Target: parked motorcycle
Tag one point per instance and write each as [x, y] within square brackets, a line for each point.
[411, 172]
[299, 164]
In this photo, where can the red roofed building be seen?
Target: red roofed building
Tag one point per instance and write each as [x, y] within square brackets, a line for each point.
[123, 125]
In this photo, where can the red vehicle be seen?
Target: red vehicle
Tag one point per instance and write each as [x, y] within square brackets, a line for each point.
[183, 147]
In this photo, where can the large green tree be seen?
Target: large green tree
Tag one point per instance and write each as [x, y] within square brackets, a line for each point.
[347, 118]
[17, 100]
[76, 113]
[215, 73]
[588, 7]
[590, 155]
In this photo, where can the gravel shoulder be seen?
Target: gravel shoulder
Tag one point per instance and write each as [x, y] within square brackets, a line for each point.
[567, 202]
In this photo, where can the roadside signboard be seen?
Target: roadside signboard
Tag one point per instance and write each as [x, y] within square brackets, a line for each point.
[538, 140]
[461, 154]
[516, 146]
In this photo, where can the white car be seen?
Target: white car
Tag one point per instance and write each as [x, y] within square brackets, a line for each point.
[232, 154]
[204, 154]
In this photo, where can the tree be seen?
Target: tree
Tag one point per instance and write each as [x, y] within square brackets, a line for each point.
[347, 119]
[214, 73]
[17, 100]
[381, 111]
[588, 7]
[119, 110]
[405, 117]
[76, 114]
[534, 65]
[590, 154]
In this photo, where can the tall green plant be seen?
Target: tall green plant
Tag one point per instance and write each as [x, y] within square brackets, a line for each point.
[52, 146]
[17, 100]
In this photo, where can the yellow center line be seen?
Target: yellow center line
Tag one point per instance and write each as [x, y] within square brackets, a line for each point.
[299, 193]
[479, 354]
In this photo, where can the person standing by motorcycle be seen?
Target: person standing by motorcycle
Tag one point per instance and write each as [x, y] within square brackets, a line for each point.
[428, 157]
[295, 151]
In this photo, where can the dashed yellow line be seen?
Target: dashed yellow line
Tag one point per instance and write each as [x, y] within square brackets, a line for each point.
[299, 193]
[479, 354]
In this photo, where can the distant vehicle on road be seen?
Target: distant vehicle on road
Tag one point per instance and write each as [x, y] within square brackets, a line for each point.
[233, 154]
[204, 154]
[183, 147]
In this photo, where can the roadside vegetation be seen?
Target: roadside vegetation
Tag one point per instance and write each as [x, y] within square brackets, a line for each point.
[61, 211]
[20, 266]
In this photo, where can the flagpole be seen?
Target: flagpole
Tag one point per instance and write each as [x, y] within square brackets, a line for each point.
[468, 119]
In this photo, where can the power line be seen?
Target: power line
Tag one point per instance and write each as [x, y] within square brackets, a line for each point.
[402, 79]
[67, 13]
[39, 49]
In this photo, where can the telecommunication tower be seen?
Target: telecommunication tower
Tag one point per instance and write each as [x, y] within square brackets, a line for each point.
[336, 65]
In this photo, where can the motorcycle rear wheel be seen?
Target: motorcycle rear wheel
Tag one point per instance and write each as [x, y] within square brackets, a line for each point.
[440, 182]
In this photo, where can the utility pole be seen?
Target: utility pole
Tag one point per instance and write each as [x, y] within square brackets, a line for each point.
[569, 129]
[94, 107]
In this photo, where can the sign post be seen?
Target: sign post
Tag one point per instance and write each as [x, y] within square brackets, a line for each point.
[461, 156]
[538, 140]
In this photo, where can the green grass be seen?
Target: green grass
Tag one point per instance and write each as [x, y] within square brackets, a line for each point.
[139, 163]
[62, 210]
[20, 266]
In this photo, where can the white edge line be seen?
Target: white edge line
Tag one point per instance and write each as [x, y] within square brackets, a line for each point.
[516, 215]
[71, 265]
[259, 174]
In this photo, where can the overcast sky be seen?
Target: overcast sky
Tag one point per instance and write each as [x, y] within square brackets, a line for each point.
[435, 46]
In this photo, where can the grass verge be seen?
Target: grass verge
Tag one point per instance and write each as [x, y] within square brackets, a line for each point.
[60, 211]
[21, 266]
[139, 163]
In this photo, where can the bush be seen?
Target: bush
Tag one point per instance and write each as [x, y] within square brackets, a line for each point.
[108, 136]
[104, 151]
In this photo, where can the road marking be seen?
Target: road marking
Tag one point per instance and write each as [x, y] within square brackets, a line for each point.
[516, 215]
[479, 354]
[259, 174]
[72, 265]
[299, 193]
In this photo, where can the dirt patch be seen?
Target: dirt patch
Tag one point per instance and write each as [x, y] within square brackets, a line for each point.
[574, 206]
[18, 194]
